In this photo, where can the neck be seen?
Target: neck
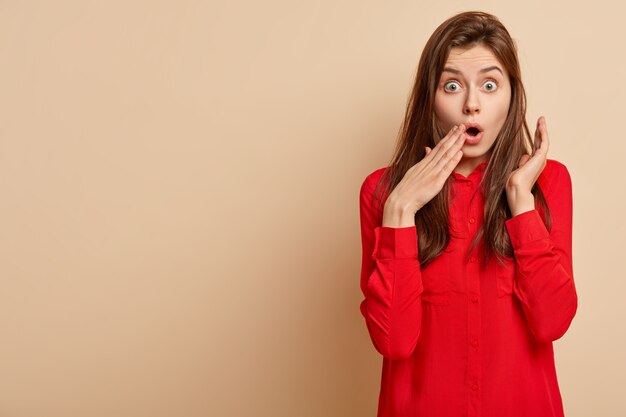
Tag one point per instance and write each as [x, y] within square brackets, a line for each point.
[467, 165]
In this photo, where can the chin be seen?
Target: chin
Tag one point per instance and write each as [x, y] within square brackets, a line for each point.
[474, 154]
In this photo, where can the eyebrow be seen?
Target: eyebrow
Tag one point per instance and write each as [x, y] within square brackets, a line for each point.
[456, 71]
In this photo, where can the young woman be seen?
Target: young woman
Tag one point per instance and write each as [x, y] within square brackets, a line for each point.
[467, 240]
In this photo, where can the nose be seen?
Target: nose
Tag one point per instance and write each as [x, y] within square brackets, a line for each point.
[471, 105]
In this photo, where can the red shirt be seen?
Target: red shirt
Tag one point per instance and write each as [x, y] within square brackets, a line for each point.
[458, 340]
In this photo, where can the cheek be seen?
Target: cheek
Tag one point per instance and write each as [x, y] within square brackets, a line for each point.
[443, 110]
[505, 104]
[499, 110]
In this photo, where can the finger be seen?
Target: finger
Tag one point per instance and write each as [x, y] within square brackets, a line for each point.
[429, 152]
[440, 150]
[452, 163]
[523, 160]
[537, 138]
[542, 141]
[452, 132]
[434, 154]
[546, 138]
[450, 150]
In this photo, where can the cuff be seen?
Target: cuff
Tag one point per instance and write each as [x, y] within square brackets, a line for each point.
[395, 242]
[526, 227]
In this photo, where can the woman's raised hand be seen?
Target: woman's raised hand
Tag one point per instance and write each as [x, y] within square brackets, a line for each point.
[530, 167]
[424, 180]
[521, 180]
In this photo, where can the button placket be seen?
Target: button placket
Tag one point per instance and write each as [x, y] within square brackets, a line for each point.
[469, 219]
[474, 307]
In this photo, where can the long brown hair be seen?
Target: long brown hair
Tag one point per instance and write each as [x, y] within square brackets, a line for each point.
[420, 129]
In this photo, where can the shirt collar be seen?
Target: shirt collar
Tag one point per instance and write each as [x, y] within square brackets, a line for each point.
[478, 171]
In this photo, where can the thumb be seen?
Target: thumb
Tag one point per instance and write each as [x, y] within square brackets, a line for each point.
[523, 159]
[428, 150]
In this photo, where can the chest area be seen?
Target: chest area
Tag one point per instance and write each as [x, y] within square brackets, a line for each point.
[458, 269]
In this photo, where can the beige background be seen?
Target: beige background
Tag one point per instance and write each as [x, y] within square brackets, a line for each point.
[179, 186]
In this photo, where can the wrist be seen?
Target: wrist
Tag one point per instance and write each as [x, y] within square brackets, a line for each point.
[521, 209]
[520, 201]
[395, 215]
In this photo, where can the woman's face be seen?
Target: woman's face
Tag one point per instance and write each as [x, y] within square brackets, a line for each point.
[474, 88]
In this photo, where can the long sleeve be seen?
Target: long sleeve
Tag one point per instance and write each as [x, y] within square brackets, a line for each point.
[544, 272]
[453, 333]
[391, 281]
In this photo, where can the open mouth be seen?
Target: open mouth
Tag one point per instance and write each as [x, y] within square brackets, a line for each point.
[472, 131]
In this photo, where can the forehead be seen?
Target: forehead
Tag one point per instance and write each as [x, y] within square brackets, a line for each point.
[469, 59]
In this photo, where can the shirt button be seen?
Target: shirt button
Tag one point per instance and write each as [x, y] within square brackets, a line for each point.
[475, 387]
[474, 299]
[475, 343]
[472, 220]
[472, 259]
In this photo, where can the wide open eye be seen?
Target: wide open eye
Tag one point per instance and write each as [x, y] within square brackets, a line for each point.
[451, 86]
[490, 85]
